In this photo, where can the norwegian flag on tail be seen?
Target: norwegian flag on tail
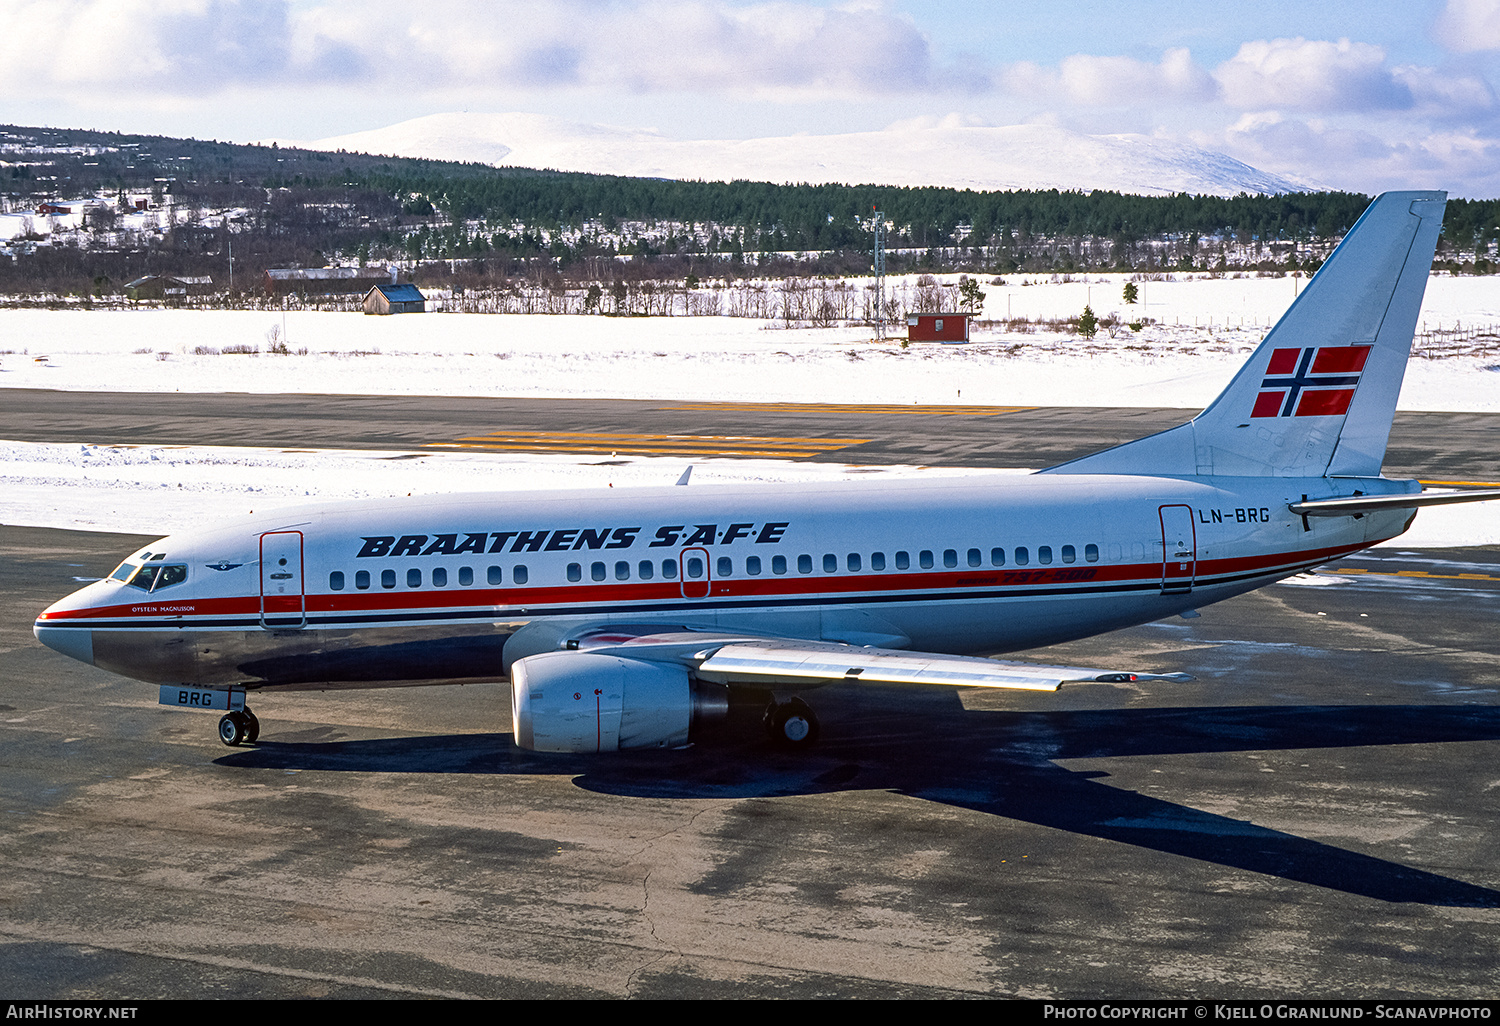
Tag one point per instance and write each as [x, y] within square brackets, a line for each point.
[1318, 381]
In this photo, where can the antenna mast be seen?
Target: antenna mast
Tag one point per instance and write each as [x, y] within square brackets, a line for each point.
[877, 224]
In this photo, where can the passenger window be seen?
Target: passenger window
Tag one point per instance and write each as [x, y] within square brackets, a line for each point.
[851, 562]
[495, 575]
[1069, 554]
[997, 557]
[925, 559]
[596, 571]
[903, 561]
[830, 563]
[440, 578]
[622, 571]
[646, 570]
[974, 557]
[724, 567]
[778, 564]
[1044, 554]
[518, 574]
[877, 561]
[752, 566]
[804, 564]
[387, 578]
[669, 569]
[950, 558]
[336, 581]
[362, 580]
[413, 578]
[694, 565]
[1022, 557]
[1091, 553]
[575, 572]
[465, 576]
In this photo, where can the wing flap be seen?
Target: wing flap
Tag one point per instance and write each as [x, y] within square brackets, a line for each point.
[728, 658]
[804, 662]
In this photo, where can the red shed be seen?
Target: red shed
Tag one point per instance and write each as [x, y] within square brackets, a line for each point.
[937, 327]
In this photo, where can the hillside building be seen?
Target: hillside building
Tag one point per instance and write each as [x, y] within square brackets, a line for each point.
[326, 281]
[394, 299]
[168, 286]
[937, 327]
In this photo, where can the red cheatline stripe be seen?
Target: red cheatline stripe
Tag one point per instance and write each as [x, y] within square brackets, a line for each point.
[798, 586]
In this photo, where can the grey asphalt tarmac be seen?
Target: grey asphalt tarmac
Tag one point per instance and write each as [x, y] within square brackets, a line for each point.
[1456, 446]
[1314, 816]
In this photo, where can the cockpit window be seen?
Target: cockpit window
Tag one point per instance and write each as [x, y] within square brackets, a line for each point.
[145, 577]
[123, 571]
[157, 577]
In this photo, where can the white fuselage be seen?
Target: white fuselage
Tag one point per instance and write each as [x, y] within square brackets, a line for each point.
[431, 589]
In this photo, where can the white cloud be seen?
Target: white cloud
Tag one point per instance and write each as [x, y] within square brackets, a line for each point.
[1311, 74]
[1088, 80]
[198, 47]
[176, 45]
[1445, 94]
[1344, 157]
[1469, 25]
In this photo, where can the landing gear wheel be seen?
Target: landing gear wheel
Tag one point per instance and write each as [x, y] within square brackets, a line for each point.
[792, 724]
[232, 728]
[252, 726]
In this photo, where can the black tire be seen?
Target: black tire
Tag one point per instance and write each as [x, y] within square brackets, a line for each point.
[231, 729]
[252, 726]
[794, 725]
[769, 720]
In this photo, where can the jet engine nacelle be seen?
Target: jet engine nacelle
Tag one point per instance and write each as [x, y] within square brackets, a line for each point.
[591, 702]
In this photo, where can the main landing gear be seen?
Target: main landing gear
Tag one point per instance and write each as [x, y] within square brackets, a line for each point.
[239, 727]
[791, 724]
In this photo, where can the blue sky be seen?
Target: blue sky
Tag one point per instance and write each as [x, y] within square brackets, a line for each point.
[1363, 96]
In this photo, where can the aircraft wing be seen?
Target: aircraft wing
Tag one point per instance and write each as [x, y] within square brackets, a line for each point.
[786, 662]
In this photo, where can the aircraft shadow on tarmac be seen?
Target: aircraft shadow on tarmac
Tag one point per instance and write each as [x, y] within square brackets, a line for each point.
[999, 763]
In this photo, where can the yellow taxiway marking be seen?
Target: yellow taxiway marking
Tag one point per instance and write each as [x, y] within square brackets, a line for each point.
[649, 444]
[1414, 573]
[1462, 484]
[944, 411]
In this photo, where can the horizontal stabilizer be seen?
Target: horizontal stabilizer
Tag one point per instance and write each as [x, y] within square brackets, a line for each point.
[1355, 505]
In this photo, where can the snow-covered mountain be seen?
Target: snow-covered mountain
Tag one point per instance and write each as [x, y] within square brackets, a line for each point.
[921, 152]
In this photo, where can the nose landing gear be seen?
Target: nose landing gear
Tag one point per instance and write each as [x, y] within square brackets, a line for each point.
[239, 727]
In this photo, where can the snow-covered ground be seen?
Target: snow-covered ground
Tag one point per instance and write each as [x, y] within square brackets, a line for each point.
[147, 489]
[1204, 329]
[925, 151]
[1180, 362]
[160, 489]
[159, 214]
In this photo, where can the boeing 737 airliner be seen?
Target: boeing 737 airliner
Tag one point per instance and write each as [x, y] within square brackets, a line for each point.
[620, 618]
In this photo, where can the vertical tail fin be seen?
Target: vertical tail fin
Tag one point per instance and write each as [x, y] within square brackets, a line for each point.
[1316, 398]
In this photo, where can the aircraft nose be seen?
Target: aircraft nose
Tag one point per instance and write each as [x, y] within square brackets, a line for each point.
[74, 642]
[72, 638]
